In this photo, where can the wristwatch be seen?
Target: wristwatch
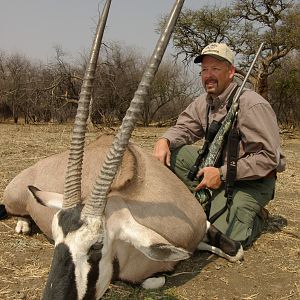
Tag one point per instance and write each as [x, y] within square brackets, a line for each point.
[221, 175]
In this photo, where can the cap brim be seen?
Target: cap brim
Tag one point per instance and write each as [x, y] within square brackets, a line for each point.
[198, 59]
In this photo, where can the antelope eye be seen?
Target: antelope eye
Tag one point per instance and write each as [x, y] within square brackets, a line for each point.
[95, 252]
[97, 246]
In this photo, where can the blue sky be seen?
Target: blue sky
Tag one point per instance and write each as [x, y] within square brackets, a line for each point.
[35, 27]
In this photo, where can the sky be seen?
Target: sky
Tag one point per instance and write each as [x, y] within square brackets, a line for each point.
[34, 27]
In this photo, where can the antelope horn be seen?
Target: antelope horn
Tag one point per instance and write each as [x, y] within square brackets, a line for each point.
[96, 203]
[72, 188]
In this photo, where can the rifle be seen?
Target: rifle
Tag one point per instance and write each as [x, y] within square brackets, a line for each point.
[217, 144]
[211, 133]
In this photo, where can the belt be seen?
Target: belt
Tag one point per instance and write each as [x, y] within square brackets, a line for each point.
[272, 174]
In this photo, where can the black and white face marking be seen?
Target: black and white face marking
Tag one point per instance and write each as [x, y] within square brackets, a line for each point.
[81, 268]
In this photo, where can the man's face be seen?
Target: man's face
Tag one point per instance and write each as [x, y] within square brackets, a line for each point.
[216, 75]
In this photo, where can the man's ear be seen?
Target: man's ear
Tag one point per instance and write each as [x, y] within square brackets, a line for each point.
[231, 71]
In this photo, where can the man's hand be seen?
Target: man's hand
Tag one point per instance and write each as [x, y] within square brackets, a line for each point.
[162, 151]
[211, 178]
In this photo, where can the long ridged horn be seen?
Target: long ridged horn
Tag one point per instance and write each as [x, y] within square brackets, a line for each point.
[96, 203]
[72, 188]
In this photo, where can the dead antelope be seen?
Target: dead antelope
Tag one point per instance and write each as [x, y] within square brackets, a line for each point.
[138, 216]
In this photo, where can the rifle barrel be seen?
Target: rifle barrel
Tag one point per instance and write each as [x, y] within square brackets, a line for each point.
[238, 94]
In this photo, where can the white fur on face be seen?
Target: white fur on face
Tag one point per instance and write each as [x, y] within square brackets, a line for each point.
[57, 232]
[106, 267]
[79, 242]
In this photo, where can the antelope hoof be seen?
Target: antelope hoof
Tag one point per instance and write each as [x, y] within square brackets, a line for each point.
[154, 282]
[23, 226]
[3, 212]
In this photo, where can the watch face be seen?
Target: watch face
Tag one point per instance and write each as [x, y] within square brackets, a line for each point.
[221, 175]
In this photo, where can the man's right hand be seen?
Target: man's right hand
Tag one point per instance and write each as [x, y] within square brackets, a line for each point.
[162, 151]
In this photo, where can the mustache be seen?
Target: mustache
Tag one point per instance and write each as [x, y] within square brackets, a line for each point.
[212, 80]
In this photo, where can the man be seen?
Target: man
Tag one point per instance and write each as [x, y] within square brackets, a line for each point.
[259, 155]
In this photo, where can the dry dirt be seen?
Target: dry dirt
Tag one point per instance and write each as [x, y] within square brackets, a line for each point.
[271, 269]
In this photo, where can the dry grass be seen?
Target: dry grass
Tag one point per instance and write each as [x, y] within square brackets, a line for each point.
[271, 269]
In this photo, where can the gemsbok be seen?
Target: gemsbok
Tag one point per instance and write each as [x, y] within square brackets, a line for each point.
[134, 218]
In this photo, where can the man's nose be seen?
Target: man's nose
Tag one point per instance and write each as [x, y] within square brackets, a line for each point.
[207, 73]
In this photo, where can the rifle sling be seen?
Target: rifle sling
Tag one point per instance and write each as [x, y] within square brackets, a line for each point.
[232, 157]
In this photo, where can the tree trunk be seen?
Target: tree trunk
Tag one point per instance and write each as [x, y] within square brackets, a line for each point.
[261, 86]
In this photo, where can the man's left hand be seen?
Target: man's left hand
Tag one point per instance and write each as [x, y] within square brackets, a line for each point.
[211, 178]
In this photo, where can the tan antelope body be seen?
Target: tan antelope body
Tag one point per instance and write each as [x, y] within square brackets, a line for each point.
[153, 195]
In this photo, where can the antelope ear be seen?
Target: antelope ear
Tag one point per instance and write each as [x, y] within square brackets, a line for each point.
[165, 252]
[149, 242]
[49, 199]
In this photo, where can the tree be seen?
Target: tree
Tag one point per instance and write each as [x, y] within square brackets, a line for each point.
[171, 91]
[285, 90]
[118, 75]
[62, 86]
[16, 71]
[37, 92]
[44, 93]
[243, 25]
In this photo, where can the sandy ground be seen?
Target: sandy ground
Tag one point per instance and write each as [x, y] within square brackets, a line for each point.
[271, 269]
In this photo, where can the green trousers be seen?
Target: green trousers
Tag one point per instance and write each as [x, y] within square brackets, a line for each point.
[245, 221]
